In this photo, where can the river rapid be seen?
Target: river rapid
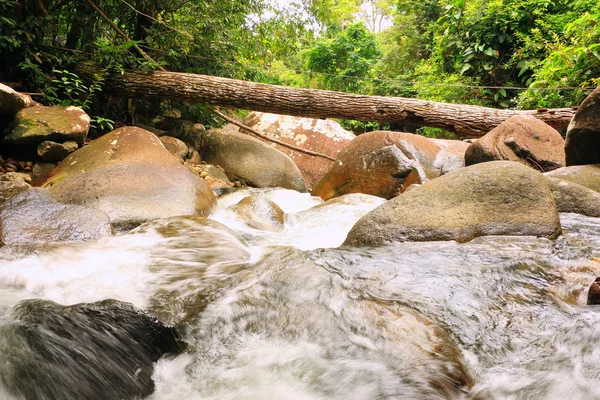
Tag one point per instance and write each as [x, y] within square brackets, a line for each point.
[291, 315]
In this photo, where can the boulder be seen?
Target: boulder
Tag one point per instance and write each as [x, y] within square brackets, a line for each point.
[451, 155]
[521, 138]
[54, 152]
[381, 164]
[593, 296]
[9, 189]
[11, 102]
[251, 161]
[583, 134]
[493, 198]
[573, 198]
[33, 216]
[320, 135]
[584, 175]
[130, 175]
[175, 147]
[259, 212]
[34, 125]
[96, 351]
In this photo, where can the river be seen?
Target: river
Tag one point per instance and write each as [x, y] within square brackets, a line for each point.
[291, 315]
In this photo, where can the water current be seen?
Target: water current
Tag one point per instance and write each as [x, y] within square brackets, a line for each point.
[291, 315]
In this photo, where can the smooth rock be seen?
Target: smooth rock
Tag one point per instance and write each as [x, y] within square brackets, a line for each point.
[493, 198]
[593, 297]
[320, 135]
[33, 216]
[251, 161]
[54, 152]
[521, 138]
[195, 158]
[583, 134]
[258, 212]
[175, 147]
[11, 102]
[573, 198]
[34, 125]
[584, 175]
[95, 351]
[381, 164]
[130, 175]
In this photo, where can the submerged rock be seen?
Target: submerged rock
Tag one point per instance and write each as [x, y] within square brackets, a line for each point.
[258, 212]
[130, 175]
[583, 134]
[494, 198]
[96, 351]
[34, 125]
[573, 198]
[33, 216]
[251, 161]
[383, 164]
[320, 135]
[584, 175]
[521, 138]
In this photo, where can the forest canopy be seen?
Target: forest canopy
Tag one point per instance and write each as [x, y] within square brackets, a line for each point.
[499, 53]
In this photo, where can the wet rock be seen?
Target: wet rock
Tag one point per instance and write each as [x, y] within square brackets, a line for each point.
[320, 135]
[95, 351]
[131, 176]
[584, 175]
[175, 147]
[34, 125]
[573, 198]
[40, 173]
[521, 138]
[15, 177]
[33, 216]
[493, 198]
[11, 102]
[381, 164]
[593, 297]
[258, 212]
[583, 134]
[251, 161]
[54, 152]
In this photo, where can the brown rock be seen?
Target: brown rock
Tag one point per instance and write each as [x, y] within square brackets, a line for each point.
[54, 152]
[11, 102]
[594, 293]
[573, 198]
[131, 176]
[15, 177]
[258, 212]
[584, 175]
[521, 138]
[320, 135]
[381, 164]
[583, 134]
[175, 146]
[40, 173]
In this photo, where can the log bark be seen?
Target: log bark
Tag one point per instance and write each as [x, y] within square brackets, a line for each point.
[464, 120]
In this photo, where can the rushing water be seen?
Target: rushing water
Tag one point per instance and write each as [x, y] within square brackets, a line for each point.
[289, 315]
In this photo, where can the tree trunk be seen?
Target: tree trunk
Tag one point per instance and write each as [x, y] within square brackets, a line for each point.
[464, 120]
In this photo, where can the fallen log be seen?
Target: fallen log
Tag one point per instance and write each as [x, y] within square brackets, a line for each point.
[465, 120]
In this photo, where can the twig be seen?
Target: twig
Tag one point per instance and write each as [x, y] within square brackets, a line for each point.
[120, 32]
[270, 139]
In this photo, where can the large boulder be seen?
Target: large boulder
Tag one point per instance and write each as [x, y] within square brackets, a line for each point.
[583, 134]
[33, 216]
[494, 198]
[521, 138]
[130, 175]
[574, 198]
[34, 125]
[381, 164]
[96, 351]
[251, 161]
[585, 175]
[320, 135]
[11, 101]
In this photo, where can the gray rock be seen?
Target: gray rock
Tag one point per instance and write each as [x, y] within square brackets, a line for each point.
[15, 177]
[493, 198]
[583, 134]
[9, 189]
[54, 152]
[33, 216]
[573, 198]
[34, 125]
[585, 175]
[251, 161]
